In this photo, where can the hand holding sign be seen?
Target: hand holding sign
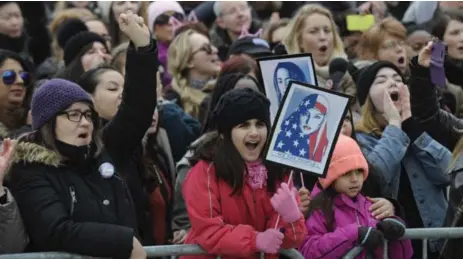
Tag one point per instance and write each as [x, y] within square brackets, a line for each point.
[284, 202]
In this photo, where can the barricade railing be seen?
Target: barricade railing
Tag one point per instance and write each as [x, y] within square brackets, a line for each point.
[151, 251]
[417, 233]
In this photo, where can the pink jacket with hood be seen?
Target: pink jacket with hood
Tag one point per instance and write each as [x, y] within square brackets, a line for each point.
[349, 213]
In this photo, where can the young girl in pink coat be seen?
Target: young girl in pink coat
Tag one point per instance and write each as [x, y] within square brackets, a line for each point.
[339, 219]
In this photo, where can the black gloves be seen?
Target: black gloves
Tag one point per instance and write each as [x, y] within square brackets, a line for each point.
[392, 228]
[370, 237]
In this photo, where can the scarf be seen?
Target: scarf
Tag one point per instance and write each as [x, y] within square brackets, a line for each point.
[162, 57]
[257, 174]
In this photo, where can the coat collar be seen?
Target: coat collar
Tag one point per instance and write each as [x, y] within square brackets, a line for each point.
[28, 152]
[356, 204]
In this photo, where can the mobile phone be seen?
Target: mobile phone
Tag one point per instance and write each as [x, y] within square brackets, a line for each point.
[436, 69]
[359, 22]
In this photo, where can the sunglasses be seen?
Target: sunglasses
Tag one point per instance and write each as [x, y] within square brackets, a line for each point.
[164, 18]
[206, 48]
[9, 77]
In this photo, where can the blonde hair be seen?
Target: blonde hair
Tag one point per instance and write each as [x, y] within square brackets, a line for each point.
[369, 123]
[59, 18]
[295, 30]
[179, 55]
[371, 40]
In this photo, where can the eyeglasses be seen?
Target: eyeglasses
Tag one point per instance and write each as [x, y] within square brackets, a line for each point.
[393, 44]
[206, 48]
[164, 18]
[76, 116]
[9, 77]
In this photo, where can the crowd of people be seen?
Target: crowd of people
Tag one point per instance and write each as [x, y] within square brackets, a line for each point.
[127, 124]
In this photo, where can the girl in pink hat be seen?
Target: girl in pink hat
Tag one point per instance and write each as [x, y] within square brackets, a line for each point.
[339, 219]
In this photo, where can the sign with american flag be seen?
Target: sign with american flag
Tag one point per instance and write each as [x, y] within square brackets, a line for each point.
[307, 124]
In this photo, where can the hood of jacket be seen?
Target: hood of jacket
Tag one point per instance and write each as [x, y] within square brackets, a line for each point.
[28, 152]
[189, 154]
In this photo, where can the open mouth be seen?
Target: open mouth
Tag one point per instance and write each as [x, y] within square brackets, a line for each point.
[460, 48]
[401, 60]
[83, 135]
[251, 145]
[323, 48]
[395, 96]
[353, 189]
[306, 127]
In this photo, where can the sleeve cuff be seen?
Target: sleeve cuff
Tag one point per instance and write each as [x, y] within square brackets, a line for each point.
[412, 128]
[418, 70]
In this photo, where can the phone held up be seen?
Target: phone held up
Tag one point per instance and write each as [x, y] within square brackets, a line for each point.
[437, 71]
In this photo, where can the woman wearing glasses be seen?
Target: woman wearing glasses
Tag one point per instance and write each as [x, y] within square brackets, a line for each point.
[66, 175]
[193, 62]
[14, 92]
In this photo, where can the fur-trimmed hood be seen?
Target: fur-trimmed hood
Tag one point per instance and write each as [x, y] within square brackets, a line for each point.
[28, 152]
[4, 132]
[190, 152]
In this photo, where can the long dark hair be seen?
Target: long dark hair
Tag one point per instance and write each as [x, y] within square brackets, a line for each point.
[18, 117]
[323, 202]
[229, 165]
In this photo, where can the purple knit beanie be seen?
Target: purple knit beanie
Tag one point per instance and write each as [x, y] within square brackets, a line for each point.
[54, 96]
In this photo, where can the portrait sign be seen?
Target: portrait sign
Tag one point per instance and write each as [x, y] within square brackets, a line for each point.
[306, 127]
[277, 71]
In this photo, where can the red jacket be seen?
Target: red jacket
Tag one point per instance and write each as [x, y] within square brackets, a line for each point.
[227, 225]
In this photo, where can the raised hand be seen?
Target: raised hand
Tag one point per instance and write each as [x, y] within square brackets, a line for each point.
[5, 156]
[405, 101]
[424, 57]
[134, 27]
[391, 114]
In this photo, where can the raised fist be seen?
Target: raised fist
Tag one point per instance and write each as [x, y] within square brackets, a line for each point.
[134, 27]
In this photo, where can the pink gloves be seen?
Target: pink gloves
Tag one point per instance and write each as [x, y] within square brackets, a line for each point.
[284, 202]
[269, 241]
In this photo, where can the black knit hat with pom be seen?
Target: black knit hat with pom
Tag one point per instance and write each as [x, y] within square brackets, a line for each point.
[67, 29]
[239, 105]
[74, 36]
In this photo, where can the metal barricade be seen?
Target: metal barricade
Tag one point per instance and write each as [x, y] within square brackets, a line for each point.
[417, 233]
[151, 251]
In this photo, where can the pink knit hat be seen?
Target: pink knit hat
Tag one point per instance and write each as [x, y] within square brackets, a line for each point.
[347, 156]
[157, 8]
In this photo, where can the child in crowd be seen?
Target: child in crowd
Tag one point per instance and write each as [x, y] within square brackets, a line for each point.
[237, 205]
[339, 218]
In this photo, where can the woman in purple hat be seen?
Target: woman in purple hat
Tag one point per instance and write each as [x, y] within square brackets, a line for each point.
[63, 174]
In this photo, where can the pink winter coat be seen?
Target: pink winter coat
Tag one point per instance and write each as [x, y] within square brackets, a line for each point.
[348, 215]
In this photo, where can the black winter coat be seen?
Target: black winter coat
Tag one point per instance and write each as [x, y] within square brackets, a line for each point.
[126, 130]
[66, 204]
[440, 125]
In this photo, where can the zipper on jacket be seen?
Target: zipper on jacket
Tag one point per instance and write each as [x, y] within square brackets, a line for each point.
[73, 198]
[157, 174]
